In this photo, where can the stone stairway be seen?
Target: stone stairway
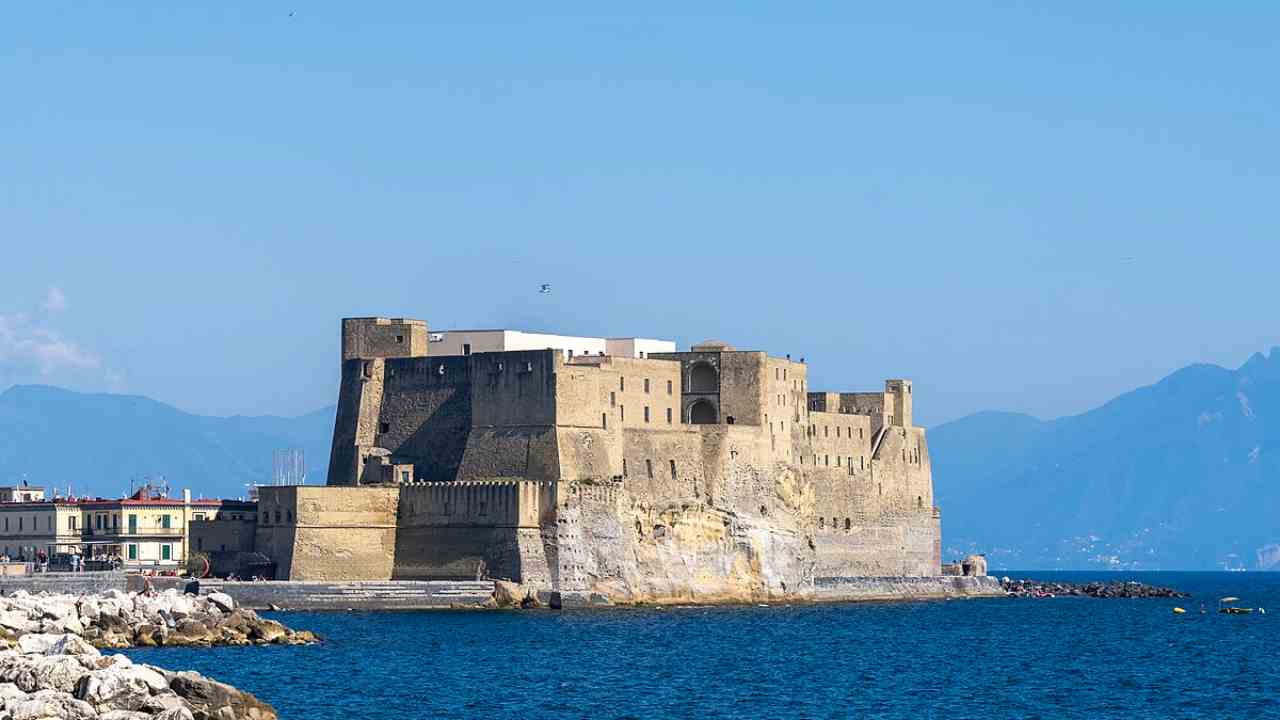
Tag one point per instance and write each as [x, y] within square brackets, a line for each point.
[355, 595]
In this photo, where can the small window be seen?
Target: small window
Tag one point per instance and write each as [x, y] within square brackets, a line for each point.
[847, 524]
[646, 385]
[613, 399]
[399, 339]
[729, 419]
[648, 468]
[404, 476]
[673, 469]
[165, 552]
[624, 467]
[668, 387]
[466, 349]
[622, 384]
[164, 522]
[668, 416]
[384, 427]
[133, 552]
[622, 412]
[277, 516]
[604, 421]
[646, 413]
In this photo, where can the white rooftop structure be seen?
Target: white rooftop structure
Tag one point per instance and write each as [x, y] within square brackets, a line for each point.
[465, 342]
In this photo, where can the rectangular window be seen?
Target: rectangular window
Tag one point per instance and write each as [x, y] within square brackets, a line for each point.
[165, 552]
[648, 468]
[624, 467]
[404, 477]
[133, 524]
[622, 412]
[384, 428]
[200, 516]
[646, 385]
[646, 413]
[133, 552]
[668, 387]
[604, 421]
[164, 522]
[466, 349]
[673, 469]
[668, 416]
[622, 384]
[613, 399]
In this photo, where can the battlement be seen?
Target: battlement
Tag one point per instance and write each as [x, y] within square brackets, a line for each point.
[379, 337]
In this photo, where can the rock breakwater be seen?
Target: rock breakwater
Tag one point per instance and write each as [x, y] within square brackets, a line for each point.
[1114, 589]
[63, 676]
[116, 619]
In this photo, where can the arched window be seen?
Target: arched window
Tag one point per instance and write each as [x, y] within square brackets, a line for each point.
[702, 412]
[704, 378]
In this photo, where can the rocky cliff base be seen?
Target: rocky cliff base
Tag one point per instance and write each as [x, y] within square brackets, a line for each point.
[116, 619]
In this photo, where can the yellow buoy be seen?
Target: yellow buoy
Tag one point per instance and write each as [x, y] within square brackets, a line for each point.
[1178, 611]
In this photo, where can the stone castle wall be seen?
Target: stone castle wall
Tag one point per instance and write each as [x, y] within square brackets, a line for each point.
[589, 475]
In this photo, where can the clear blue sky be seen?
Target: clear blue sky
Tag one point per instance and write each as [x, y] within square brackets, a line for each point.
[1019, 207]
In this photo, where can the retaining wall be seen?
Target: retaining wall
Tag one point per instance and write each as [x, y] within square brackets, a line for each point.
[71, 583]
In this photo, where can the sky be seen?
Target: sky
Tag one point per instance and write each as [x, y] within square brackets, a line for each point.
[1018, 206]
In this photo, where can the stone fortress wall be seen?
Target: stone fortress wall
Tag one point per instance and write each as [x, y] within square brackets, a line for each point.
[702, 475]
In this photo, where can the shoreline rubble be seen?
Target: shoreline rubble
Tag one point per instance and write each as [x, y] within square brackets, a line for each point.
[51, 665]
[116, 620]
[1115, 589]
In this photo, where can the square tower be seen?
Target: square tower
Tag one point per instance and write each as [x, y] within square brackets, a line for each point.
[376, 337]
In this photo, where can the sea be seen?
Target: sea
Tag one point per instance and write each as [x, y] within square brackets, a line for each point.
[982, 658]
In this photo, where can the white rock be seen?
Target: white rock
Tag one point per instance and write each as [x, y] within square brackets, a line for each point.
[16, 619]
[52, 704]
[57, 672]
[37, 643]
[72, 645]
[111, 689]
[222, 600]
[178, 713]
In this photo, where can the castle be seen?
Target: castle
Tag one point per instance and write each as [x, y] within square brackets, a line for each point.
[613, 466]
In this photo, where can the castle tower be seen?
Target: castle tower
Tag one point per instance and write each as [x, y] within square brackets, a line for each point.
[901, 392]
[376, 337]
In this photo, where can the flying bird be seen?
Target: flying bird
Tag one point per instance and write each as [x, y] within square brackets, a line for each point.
[545, 289]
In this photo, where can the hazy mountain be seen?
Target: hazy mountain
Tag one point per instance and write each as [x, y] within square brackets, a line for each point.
[97, 442]
[1182, 474]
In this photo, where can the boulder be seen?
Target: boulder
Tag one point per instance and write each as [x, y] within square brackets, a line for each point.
[46, 704]
[507, 594]
[222, 601]
[210, 699]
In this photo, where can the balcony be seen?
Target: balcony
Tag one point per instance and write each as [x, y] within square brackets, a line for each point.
[126, 532]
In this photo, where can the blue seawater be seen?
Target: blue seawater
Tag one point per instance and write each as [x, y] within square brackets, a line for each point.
[992, 658]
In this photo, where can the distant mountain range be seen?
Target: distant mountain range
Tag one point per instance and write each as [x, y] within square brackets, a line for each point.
[98, 442]
[1182, 474]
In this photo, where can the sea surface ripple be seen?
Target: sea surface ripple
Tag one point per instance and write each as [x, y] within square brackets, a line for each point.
[991, 658]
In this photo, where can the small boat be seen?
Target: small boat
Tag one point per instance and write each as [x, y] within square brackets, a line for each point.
[1227, 606]
[1178, 611]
